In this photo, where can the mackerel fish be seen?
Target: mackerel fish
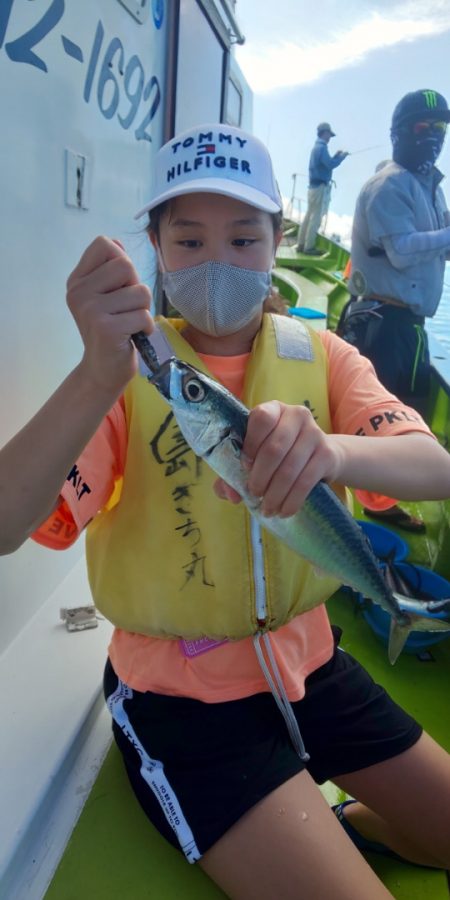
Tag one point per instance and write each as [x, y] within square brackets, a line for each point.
[214, 422]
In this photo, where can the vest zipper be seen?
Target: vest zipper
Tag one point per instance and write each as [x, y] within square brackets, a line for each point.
[259, 579]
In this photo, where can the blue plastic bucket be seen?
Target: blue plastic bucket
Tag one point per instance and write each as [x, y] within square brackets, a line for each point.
[420, 579]
[385, 543]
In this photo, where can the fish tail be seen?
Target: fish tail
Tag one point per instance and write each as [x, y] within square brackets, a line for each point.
[400, 631]
[398, 635]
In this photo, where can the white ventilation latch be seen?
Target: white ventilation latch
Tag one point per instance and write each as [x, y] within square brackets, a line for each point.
[79, 618]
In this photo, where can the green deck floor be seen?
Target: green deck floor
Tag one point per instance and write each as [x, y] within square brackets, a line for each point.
[114, 854]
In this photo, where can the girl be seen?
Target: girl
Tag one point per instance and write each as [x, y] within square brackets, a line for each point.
[207, 750]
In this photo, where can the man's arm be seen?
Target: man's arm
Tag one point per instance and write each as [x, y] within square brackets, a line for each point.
[331, 162]
[405, 250]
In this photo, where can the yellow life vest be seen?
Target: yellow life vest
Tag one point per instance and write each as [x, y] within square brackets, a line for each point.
[172, 560]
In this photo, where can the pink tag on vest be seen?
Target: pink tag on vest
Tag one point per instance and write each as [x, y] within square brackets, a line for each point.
[199, 645]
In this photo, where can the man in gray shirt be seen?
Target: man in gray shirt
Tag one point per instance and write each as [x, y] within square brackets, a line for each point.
[401, 235]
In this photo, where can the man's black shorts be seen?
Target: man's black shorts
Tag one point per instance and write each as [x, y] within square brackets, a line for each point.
[395, 341]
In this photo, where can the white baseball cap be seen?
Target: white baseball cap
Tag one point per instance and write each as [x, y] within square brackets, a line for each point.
[217, 159]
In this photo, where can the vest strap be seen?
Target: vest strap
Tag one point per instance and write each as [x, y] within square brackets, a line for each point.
[292, 339]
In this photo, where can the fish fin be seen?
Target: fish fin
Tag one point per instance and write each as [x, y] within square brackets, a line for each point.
[398, 634]
[320, 573]
[429, 623]
[401, 598]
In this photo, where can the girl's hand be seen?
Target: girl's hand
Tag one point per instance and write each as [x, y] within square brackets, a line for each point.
[286, 454]
[109, 304]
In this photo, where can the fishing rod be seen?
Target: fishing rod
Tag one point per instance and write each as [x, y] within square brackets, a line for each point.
[365, 149]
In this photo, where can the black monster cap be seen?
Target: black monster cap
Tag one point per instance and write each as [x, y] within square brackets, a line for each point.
[420, 105]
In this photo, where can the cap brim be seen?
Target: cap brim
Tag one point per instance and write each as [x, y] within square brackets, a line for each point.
[442, 115]
[235, 189]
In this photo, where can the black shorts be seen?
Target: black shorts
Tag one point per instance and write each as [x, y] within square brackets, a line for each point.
[395, 341]
[196, 767]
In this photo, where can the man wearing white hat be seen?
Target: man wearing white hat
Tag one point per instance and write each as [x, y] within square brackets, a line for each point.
[321, 165]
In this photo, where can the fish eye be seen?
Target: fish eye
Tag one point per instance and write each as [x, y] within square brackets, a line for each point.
[193, 390]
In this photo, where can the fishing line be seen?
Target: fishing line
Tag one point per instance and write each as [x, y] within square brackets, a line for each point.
[365, 149]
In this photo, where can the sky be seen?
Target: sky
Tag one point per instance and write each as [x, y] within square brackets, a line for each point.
[346, 62]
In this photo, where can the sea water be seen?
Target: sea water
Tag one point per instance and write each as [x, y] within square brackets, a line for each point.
[439, 325]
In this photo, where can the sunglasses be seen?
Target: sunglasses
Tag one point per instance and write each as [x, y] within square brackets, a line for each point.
[419, 128]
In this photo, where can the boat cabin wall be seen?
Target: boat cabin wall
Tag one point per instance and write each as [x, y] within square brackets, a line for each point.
[210, 86]
[82, 88]
[88, 92]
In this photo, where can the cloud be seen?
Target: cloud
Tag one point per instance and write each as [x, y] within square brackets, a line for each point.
[335, 226]
[340, 227]
[280, 64]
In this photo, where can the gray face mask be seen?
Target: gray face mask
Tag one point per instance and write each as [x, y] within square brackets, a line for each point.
[215, 297]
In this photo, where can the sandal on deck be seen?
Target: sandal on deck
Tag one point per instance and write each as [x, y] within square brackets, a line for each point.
[398, 517]
[357, 839]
